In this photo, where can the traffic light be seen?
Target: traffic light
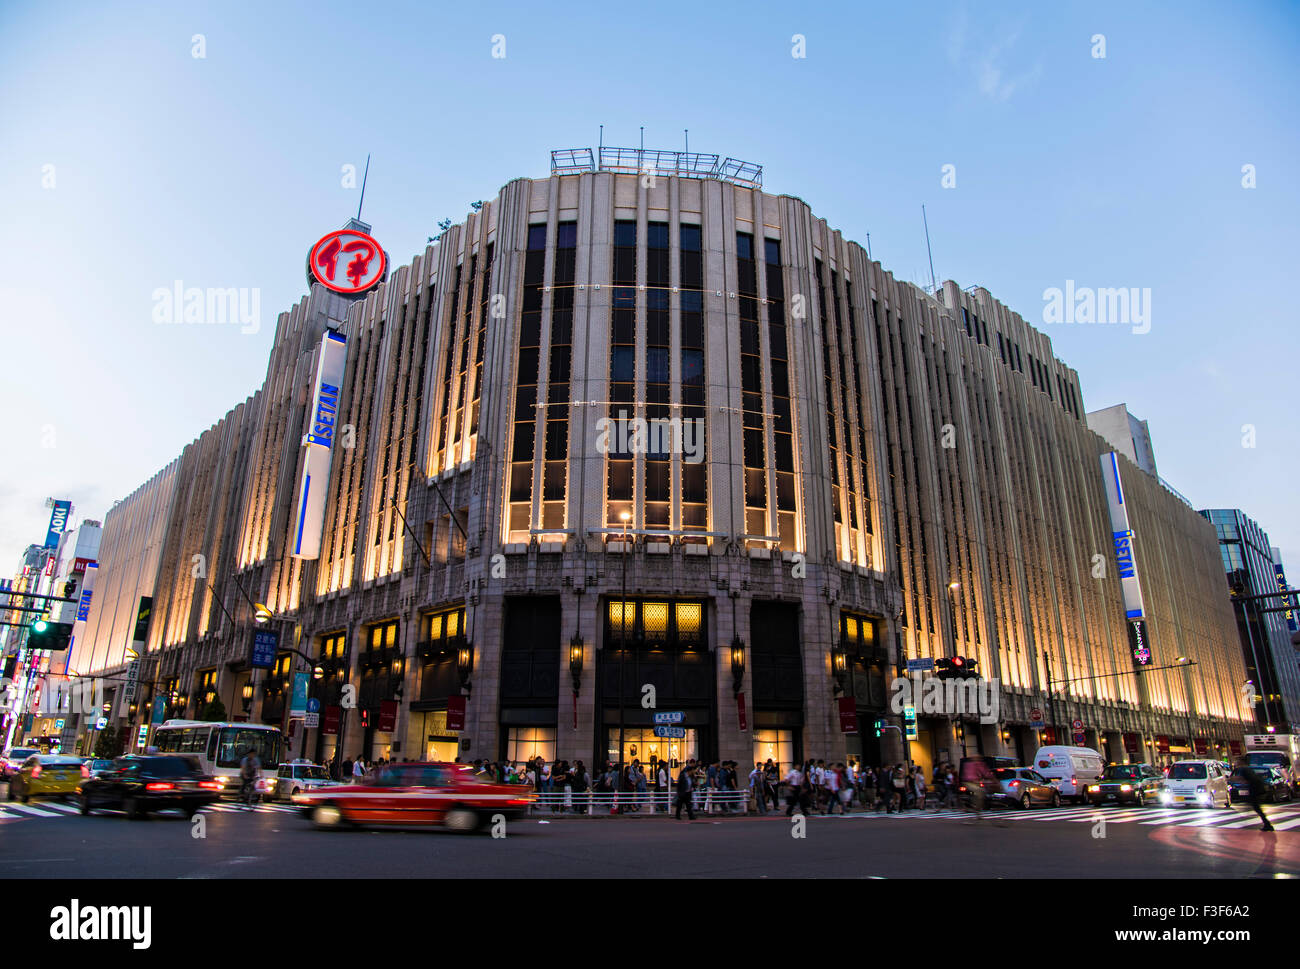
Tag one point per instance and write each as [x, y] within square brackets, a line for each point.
[879, 726]
[972, 668]
[365, 717]
[44, 634]
[69, 587]
[943, 668]
[959, 667]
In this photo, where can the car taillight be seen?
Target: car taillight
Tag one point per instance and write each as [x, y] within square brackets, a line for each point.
[210, 785]
[1015, 783]
[85, 771]
[36, 771]
[1073, 781]
[160, 786]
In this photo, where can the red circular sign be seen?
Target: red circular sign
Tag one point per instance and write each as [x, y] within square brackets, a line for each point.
[347, 261]
[1078, 725]
[1035, 714]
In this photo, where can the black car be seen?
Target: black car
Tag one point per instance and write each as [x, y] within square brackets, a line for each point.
[1276, 787]
[139, 785]
[1138, 784]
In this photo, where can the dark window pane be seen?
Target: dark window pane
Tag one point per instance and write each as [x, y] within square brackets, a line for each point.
[625, 233]
[691, 238]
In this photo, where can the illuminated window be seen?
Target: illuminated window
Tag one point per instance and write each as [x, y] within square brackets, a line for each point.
[528, 743]
[435, 627]
[776, 746]
[690, 621]
[654, 620]
[753, 420]
[620, 617]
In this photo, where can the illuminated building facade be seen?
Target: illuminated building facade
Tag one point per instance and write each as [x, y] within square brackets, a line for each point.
[803, 471]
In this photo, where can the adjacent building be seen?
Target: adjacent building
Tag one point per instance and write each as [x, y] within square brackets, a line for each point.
[619, 445]
[1254, 568]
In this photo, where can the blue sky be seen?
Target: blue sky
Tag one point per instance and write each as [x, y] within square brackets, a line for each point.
[221, 170]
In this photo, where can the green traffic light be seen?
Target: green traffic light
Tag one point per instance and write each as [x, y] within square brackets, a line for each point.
[39, 626]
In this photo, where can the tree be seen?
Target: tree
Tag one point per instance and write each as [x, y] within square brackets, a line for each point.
[110, 743]
[214, 711]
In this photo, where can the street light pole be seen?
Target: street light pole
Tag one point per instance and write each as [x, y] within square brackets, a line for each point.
[622, 655]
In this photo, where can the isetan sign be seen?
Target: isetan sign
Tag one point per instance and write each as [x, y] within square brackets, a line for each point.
[347, 261]
[1122, 536]
[318, 445]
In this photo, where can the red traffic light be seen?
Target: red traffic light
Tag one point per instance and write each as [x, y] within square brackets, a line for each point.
[958, 662]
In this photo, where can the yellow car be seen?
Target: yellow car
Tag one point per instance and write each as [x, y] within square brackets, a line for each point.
[45, 775]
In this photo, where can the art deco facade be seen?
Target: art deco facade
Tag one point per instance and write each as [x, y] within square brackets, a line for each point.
[896, 474]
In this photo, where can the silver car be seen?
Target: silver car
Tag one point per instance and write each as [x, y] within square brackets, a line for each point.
[299, 776]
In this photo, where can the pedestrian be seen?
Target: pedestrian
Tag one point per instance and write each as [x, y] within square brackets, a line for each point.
[830, 791]
[1254, 791]
[684, 785]
[918, 784]
[358, 771]
[975, 775]
[794, 779]
[345, 774]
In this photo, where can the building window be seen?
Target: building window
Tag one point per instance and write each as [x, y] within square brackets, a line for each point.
[556, 448]
[776, 746]
[524, 432]
[694, 474]
[622, 374]
[753, 416]
[528, 743]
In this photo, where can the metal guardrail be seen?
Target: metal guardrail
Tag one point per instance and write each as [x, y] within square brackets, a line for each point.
[656, 161]
[593, 803]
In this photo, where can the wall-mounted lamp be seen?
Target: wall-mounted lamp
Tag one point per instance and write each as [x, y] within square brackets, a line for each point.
[246, 696]
[465, 663]
[737, 663]
[839, 666]
[262, 613]
[318, 672]
[575, 662]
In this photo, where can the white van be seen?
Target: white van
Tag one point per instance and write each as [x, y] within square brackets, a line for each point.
[1069, 769]
[1199, 783]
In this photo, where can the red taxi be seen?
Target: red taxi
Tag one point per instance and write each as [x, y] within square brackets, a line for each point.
[451, 795]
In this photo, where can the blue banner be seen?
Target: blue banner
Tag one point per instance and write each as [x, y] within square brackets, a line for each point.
[58, 522]
[298, 704]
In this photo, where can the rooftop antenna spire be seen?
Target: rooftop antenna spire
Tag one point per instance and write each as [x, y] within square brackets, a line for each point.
[869, 246]
[600, 147]
[641, 154]
[688, 140]
[363, 187]
[933, 286]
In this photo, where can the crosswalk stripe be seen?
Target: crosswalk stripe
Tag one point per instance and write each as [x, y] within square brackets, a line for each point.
[59, 806]
[1286, 825]
[33, 811]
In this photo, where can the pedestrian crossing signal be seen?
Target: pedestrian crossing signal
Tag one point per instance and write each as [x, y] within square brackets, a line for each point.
[365, 717]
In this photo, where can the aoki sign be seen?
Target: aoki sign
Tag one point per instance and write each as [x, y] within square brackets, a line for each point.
[318, 445]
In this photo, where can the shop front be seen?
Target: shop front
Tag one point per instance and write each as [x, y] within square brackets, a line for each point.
[656, 660]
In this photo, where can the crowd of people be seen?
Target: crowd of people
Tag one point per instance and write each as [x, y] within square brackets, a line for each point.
[814, 786]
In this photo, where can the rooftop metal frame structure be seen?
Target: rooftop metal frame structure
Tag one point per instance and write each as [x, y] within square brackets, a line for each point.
[656, 161]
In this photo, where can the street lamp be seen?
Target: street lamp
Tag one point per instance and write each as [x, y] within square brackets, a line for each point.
[575, 662]
[246, 695]
[465, 664]
[624, 517]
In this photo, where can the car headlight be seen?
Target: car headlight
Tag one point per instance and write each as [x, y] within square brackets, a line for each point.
[223, 780]
[1126, 787]
[1093, 788]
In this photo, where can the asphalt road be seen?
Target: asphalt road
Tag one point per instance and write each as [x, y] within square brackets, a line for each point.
[277, 843]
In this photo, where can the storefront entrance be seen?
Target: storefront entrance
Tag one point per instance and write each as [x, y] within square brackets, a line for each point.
[640, 743]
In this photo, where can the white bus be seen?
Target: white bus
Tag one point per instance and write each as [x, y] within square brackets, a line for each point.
[220, 747]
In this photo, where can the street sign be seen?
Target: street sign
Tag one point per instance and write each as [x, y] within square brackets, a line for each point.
[311, 721]
[1037, 723]
[313, 705]
[909, 721]
[58, 725]
[142, 735]
[1076, 724]
[675, 716]
[1035, 714]
[101, 723]
[266, 643]
[677, 732]
[1079, 740]
[924, 665]
[132, 679]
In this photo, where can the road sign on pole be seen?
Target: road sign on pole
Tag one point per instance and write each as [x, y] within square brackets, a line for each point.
[675, 716]
[677, 732]
[1077, 724]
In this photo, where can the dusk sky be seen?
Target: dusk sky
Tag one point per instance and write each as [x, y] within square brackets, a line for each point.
[129, 163]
